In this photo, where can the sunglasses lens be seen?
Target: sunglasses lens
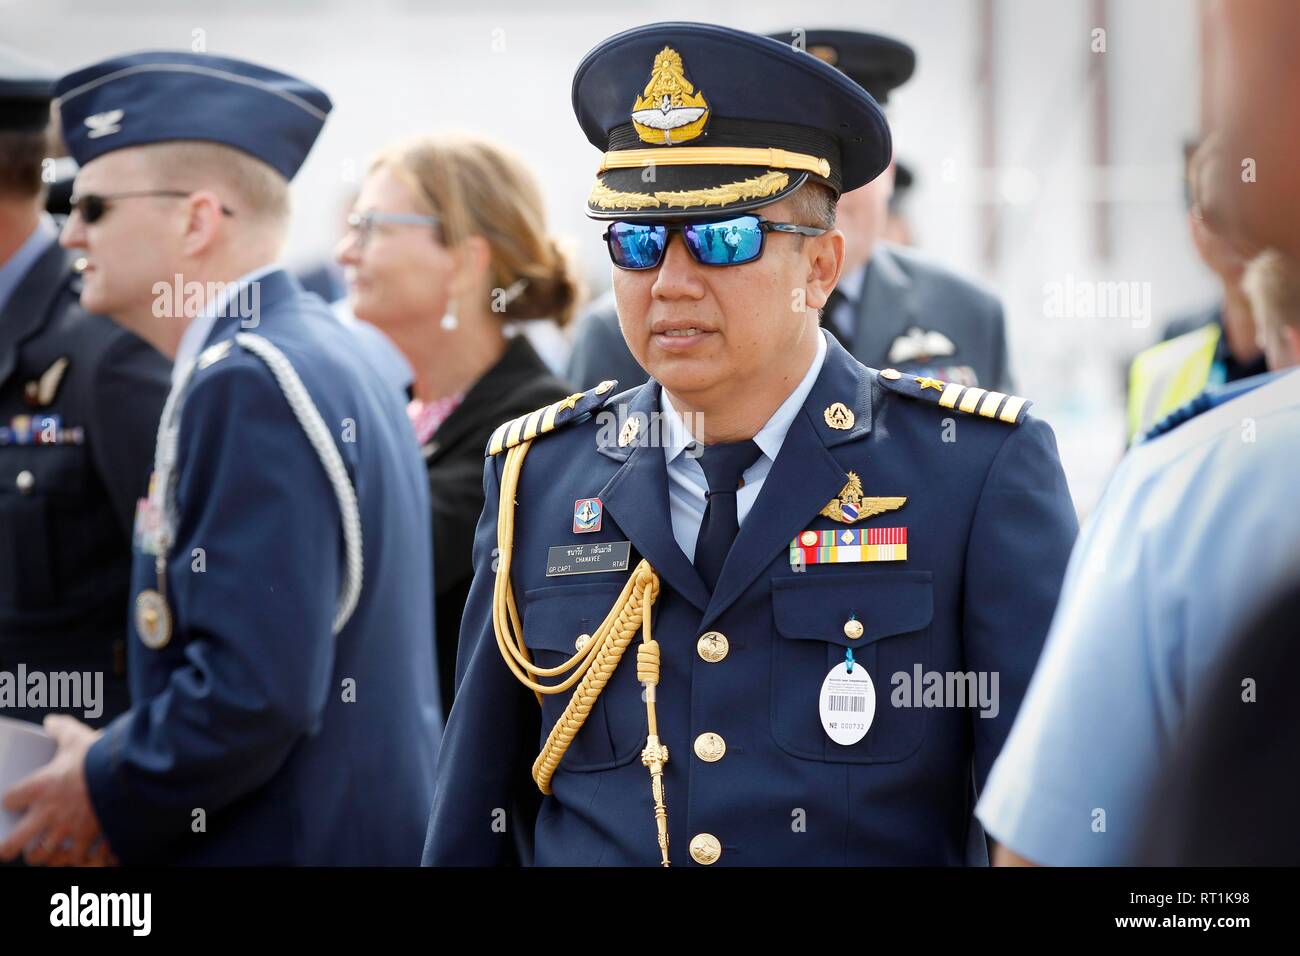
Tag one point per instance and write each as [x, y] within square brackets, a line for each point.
[634, 245]
[725, 243]
[91, 208]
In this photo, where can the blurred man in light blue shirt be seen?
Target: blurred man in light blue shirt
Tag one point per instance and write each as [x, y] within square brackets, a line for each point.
[1196, 529]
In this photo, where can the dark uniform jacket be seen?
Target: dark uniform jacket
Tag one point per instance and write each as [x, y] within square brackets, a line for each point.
[518, 383]
[256, 735]
[66, 505]
[989, 526]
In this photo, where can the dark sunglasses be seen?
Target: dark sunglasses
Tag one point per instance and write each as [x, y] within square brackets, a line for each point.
[92, 207]
[724, 242]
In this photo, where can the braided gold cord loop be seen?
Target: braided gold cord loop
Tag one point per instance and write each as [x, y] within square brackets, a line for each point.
[592, 666]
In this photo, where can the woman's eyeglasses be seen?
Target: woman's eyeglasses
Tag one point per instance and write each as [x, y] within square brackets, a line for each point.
[722, 242]
[93, 207]
[364, 223]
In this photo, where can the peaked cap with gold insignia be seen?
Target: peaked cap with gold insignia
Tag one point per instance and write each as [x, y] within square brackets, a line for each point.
[694, 119]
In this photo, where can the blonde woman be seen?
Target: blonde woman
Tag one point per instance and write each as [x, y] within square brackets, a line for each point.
[447, 252]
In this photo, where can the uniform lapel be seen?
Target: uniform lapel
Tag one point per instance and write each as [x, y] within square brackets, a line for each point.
[886, 308]
[804, 477]
[637, 498]
[29, 306]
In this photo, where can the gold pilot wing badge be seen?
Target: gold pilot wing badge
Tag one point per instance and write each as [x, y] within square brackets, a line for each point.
[669, 109]
[42, 391]
[850, 505]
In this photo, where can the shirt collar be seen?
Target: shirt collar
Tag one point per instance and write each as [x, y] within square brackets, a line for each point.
[201, 327]
[770, 437]
[25, 256]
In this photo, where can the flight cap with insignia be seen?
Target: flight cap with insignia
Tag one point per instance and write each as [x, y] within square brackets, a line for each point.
[162, 96]
[26, 90]
[695, 119]
[877, 63]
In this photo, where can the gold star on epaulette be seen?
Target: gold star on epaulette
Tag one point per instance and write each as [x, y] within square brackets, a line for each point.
[962, 398]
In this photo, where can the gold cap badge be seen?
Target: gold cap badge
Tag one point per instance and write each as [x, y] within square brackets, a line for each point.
[669, 109]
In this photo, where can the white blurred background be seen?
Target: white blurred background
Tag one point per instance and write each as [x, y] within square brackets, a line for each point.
[1042, 162]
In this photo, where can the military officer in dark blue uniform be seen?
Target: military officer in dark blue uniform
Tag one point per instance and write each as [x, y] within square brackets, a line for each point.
[284, 691]
[893, 306]
[79, 405]
[725, 618]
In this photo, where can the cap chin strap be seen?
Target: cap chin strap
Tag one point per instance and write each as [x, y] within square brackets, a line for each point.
[593, 664]
[714, 156]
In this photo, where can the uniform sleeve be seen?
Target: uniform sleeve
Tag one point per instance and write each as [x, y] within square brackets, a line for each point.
[485, 802]
[1068, 788]
[131, 383]
[1019, 546]
[252, 668]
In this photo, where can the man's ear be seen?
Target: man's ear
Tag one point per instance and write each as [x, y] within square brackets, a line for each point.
[203, 215]
[825, 262]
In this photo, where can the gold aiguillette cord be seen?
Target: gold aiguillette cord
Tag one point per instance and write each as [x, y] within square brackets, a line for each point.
[592, 666]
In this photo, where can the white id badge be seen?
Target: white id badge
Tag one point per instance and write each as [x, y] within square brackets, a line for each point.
[847, 703]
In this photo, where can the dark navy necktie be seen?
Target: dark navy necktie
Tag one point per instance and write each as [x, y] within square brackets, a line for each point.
[723, 465]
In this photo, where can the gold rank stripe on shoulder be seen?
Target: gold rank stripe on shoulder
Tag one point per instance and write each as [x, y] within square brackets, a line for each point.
[548, 418]
[963, 398]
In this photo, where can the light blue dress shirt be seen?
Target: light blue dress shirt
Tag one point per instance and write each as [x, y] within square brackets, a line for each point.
[1197, 527]
[686, 482]
[16, 267]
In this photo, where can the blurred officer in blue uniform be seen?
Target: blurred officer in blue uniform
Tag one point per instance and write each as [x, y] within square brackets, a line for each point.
[892, 306]
[784, 534]
[285, 704]
[79, 405]
[1196, 531]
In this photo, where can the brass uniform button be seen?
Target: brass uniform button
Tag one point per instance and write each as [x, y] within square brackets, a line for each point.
[25, 482]
[705, 848]
[713, 646]
[892, 374]
[710, 747]
[604, 386]
[581, 642]
[853, 629]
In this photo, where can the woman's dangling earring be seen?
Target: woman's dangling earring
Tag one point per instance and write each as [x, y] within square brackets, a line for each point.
[449, 320]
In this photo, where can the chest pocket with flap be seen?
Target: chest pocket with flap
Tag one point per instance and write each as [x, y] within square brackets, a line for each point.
[895, 609]
[554, 618]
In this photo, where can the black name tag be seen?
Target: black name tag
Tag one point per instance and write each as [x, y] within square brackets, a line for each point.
[588, 558]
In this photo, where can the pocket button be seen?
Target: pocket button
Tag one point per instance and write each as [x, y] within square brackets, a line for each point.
[710, 747]
[713, 646]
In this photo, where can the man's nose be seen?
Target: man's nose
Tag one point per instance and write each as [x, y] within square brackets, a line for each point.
[679, 273]
[73, 234]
